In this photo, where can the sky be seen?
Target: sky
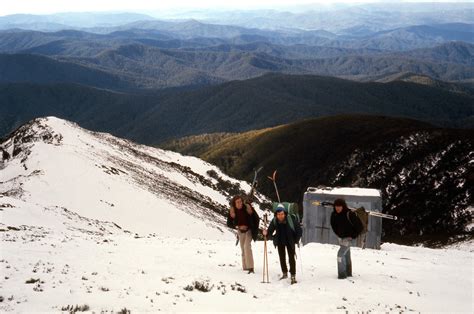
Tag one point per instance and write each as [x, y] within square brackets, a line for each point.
[54, 6]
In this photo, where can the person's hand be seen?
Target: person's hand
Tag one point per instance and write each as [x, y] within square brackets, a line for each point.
[264, 232]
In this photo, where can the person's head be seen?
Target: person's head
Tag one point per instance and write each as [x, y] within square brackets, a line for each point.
[280, 213]
[340, 205]
[237, 202]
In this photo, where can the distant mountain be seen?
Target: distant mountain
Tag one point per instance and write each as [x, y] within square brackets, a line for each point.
[93, 108]
[83, 44]
[406, 159]
[390, 39]
[40, 69]
[159, 68]
[452, 52]
[125, 69]
[61, 21]
[363, 19]
[370, 68]
[396, 38]
[166, 57]
[230, 107]
[190, 29]
[467, 88]
[420, 36]
[298, 51]
[137, 66]
[356, 19]
[276, 99]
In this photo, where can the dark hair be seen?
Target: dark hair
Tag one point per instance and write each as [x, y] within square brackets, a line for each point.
[340, 202]
[234, 199]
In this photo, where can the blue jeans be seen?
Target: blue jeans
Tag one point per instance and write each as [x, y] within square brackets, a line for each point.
[344, 263]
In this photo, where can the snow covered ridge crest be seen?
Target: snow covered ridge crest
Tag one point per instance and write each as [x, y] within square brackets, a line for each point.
[53, 162]
[24, 137]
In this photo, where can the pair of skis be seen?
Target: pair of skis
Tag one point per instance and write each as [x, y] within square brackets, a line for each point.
[266, 278]
[371, 213]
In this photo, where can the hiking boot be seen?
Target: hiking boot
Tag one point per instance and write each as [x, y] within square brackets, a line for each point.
[284, 276]
[251, 271]
[293, 280]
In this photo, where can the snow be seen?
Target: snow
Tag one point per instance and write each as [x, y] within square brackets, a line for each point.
[113, 225]
[105, 178]
[345, 191]
[108, 269]
[467, 245]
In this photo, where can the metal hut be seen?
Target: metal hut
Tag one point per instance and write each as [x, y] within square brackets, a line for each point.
[316, 217]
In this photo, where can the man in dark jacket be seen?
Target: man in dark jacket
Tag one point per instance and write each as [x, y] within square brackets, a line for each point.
[346, 226]
[287, 233]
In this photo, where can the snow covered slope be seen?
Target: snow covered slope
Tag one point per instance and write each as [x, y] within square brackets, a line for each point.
[54, 163]
[89, 264]
[92, 222]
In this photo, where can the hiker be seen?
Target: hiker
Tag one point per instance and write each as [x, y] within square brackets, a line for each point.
[287, 233]
[245, 220]
[346, 226]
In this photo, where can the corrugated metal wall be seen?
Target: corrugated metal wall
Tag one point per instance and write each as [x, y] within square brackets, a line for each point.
[317, 219]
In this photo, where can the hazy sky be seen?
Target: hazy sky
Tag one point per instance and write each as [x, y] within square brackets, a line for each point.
[54, 6]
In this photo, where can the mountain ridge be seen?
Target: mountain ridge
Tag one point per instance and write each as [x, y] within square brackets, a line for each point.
[230, 107]
[51, 162]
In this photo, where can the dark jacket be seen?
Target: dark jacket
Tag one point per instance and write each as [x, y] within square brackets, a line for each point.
[284, 234]
[346, 224]
[253, 219]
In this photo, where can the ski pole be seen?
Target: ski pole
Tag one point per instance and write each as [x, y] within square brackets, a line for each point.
[301, 260]
[266, 261]
[264, 246]
[264, 257]
[265, 252]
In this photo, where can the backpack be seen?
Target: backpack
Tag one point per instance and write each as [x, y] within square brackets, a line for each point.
[363, 217]
[254, 224]
[292, 212]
